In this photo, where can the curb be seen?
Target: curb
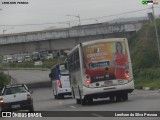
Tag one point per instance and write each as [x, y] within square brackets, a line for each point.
[43, 69]
[147, 88]
[39, 85]
[44, 84]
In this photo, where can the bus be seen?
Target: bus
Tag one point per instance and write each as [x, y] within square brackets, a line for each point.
[100, 69]
[59, 76]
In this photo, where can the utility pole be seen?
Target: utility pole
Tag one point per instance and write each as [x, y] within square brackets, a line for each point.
[155, 26]
[4, 30]
[77, 17]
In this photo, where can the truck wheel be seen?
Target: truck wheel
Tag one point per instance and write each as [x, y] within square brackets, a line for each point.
[31, 109]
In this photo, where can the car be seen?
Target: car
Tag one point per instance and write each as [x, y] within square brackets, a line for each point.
[38, 63]
[27, 58]
[16, 97]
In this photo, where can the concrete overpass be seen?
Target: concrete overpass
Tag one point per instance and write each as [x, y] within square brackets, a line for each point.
[65, 38]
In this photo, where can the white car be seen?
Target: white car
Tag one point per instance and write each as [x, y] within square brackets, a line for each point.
[38, 63]
[16, 97]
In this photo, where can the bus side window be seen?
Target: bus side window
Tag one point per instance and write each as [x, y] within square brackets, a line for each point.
[77, 60]
[72, 62]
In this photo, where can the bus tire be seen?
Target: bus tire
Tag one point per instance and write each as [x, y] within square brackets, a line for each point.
[84, 101]
[118, 98]
[90, 100]
[55, 96]
[125, 96]
[78, 101]
[60, 96]
[112, 98]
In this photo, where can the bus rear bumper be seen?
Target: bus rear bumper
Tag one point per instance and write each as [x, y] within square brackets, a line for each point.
[104, 92]
[65, 91]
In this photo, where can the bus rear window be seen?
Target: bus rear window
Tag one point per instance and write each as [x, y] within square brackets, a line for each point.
[63, 70]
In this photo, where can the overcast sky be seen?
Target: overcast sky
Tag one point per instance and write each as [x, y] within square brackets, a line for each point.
[53, 11]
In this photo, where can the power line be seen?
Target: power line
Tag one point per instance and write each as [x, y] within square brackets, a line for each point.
[117, 14]
[81, 19]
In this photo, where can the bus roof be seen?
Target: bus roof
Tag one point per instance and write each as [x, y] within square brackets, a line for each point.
[96, 41]
[56, 65]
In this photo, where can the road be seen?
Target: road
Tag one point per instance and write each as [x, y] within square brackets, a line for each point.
[139, 100]
[29, 76]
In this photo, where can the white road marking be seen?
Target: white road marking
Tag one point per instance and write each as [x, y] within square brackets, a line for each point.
[60, 102]
[96, 115]
[72, 107]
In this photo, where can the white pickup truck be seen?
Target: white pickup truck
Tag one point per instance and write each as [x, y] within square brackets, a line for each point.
[16, 97]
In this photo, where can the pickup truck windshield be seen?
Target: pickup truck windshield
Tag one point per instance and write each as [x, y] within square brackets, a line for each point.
[14, 90]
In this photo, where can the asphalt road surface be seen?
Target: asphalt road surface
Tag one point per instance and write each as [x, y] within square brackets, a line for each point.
[139, 100]
[29, 76]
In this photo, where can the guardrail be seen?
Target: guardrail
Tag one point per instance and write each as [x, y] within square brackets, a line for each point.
[43, 69]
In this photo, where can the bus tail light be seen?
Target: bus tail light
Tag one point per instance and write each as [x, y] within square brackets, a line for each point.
[127, 75]
[59, 84]
[88, 82]
[1, 101]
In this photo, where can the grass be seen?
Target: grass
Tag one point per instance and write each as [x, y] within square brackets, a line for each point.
[46, 64]
[144, 56]
[148, 78]
[4, 79]
[153, 84]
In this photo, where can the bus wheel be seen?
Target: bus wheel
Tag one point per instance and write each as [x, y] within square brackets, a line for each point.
[125, 96]
[83, 101]
[90, 100]
[61, 96]
[78, 101]
[55, 96]
[118, 98]
[112, 98]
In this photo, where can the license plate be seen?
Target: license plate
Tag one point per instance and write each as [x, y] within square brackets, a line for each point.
[120, 81]
[15, 106]
[108, 83]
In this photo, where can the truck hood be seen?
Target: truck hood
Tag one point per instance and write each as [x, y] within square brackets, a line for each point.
[14, 97]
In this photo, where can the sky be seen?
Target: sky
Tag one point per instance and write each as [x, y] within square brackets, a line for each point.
[56, 11]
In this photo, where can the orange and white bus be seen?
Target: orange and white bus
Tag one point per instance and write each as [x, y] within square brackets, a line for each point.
[100, 69]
